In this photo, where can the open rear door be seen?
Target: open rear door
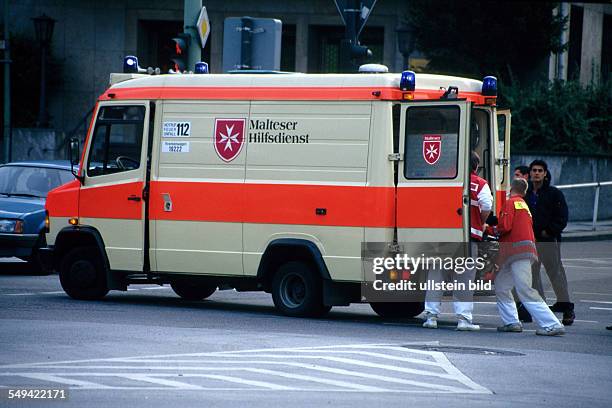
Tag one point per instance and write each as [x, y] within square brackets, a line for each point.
[433, 180]
[502, 161]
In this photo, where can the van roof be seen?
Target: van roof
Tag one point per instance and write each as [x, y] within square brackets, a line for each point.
[285, 87]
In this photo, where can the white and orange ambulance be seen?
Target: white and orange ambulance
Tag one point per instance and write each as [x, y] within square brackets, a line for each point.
[270, 182]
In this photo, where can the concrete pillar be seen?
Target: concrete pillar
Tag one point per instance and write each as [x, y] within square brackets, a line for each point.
[301, 44]
[592, 35]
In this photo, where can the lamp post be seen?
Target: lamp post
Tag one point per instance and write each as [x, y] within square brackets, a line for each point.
[43, 26]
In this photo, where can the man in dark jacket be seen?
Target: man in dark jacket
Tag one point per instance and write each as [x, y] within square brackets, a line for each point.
[547, 204]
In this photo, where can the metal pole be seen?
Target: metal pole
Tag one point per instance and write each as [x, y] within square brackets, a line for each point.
[191, 13]
[246, 49]
[7, 87]
[43, 117]
[596, 207]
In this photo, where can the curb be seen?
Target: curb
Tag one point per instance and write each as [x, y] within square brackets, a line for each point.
[586, 236]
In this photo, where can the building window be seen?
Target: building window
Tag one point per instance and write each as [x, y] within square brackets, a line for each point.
[288, 48]
[324, 46]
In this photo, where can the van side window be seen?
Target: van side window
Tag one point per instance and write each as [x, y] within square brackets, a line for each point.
[432, 142]
[117, 140]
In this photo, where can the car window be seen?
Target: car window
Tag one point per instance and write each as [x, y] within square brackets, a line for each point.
[31, 181]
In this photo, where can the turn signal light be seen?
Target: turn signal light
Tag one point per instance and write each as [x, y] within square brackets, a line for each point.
[73, 221]
[47, 222]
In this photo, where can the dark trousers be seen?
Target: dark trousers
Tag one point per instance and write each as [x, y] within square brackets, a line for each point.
[549, 254]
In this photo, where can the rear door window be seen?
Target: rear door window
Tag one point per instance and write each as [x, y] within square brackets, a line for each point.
[431, 147]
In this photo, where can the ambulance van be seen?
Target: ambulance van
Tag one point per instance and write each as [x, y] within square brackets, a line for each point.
[259, 182]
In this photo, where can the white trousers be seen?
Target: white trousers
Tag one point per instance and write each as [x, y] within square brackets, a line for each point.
[433, 298]
[518, 274]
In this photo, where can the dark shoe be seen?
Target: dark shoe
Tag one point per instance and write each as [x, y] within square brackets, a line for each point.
[523, 314]
[558, 307]
[568, 317]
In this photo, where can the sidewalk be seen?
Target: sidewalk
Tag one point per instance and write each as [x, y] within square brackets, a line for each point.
[583, 231]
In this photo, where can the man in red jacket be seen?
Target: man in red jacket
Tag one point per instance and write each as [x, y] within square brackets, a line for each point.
[517, 253]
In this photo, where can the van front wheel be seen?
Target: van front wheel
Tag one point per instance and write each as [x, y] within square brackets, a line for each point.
[297, 291]
[82, 274]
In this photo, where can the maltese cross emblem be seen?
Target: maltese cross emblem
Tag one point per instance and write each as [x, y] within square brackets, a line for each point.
[432, 148]
[229, 138]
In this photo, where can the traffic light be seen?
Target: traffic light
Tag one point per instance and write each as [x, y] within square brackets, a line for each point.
[180, 53]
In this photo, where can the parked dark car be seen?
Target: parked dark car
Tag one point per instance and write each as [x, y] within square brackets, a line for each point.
[23, 192]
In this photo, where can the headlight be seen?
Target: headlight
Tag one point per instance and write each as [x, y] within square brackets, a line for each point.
[15, 226]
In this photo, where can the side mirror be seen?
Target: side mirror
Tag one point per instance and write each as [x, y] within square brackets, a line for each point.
[74, 157]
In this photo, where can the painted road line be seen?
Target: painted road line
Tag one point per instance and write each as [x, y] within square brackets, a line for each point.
[605, 302]
[52, 293]
[156, 287]
[19, 294]
[589, 293]
[154, 379]
[62, 380]
[600, 308]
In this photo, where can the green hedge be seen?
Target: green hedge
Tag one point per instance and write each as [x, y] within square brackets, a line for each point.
[560, 116]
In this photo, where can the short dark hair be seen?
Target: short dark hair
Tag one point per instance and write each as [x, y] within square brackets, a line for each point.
[474, 161]
[523, 169]
[539, 162]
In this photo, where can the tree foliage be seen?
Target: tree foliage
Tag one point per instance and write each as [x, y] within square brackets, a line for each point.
[479, 37]
[560, 116]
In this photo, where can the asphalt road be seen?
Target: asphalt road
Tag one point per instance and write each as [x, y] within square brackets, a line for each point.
[147, 347]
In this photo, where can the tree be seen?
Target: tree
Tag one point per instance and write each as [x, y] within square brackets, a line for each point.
[478, 37]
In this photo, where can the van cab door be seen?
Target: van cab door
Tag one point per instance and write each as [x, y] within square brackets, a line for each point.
[433, 177]
[115, 165]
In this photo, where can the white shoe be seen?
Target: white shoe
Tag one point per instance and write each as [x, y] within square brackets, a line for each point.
[464, 325]
[431, 323]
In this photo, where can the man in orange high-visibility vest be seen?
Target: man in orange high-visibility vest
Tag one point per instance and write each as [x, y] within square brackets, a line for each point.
[516, 255]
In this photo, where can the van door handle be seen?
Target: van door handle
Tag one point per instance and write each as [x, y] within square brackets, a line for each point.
[134, 198]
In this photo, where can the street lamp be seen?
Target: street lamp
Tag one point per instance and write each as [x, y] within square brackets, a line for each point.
[43, 26]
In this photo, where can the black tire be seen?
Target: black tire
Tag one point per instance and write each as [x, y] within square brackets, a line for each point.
[397, 309]
[34, 261]
[193, 290]
[297, 291]
[83, 275]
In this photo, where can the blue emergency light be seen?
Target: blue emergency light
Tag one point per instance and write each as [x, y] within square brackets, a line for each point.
[130, 64]
[408, 81]
[201, 68]
[489, 86]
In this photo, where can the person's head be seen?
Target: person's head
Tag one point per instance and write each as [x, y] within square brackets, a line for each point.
[521, 172]
[474, 161]
[519, 187]
[538, 169]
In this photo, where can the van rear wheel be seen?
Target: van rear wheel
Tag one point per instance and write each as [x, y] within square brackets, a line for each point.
[190, 290]
[82, 274]
[297, 291]
[397, 309]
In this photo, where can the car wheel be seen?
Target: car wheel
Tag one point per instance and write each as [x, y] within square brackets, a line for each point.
[34, 261]
[297, 291]
[397, 309]
[193, 290]
[82, 274]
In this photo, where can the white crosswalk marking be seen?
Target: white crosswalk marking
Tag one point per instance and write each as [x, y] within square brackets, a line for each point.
[370, 368]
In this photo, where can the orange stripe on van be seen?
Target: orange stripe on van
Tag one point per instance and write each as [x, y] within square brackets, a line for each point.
[111, 201]
[349, 206]
[274, 203]
[429, 207]
[276, 93]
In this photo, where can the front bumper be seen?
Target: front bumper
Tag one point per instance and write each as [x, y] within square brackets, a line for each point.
[19, 245]
[46, 257]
